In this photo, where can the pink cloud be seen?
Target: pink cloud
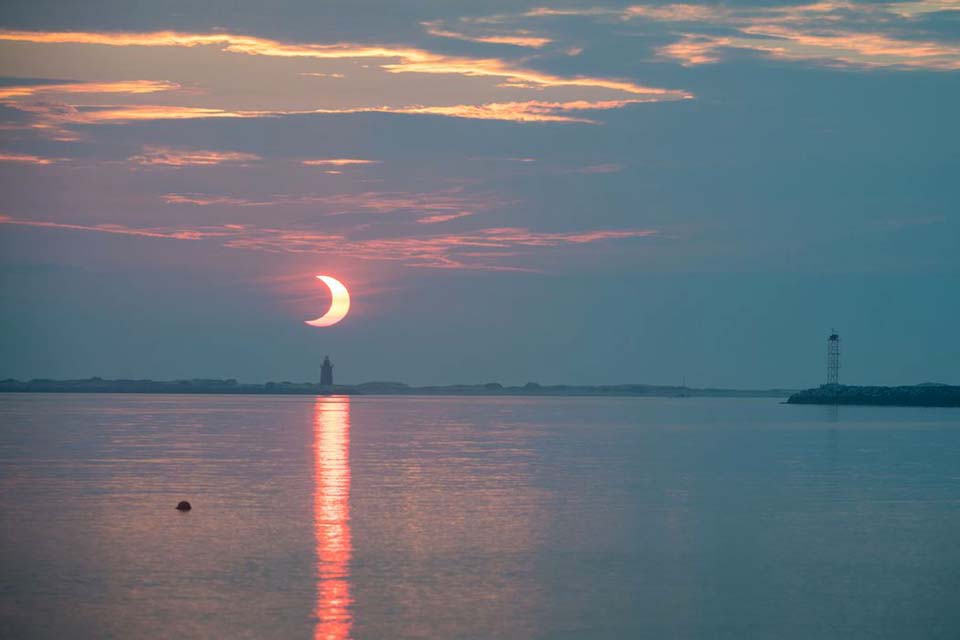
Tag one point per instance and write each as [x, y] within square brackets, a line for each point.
[167, 156]
[444, 201]
[26, 158]
[861, 34]
[481, 249]
[336, 162]
[848, 48]
[443, 217]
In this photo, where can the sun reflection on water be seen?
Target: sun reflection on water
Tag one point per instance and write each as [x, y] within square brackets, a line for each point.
[331, 517]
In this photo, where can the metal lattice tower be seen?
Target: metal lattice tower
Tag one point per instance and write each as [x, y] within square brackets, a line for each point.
[833, 358]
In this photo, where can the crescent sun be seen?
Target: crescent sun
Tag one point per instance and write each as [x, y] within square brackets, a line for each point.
[339, 306]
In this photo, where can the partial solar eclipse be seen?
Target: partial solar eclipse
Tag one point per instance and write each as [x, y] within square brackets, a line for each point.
[338, 307]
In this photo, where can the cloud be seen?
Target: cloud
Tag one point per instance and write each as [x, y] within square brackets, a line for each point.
[855, 34]
[118, 229]
[336, 76]
[529, 111]
[482, 249]
[498, 88]
[520, 38]
[836, 33]
[676, 13]
[123, 87]
[201, 200]
[852, 48]
[443, 217]
[847, 48]
[406, 59]
[25, 158]
[694, 49]
[54, 119]
[167, 156]
[444, 201]
[336, 162]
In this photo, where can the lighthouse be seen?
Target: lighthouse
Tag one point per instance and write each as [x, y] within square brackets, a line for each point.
[326, 372]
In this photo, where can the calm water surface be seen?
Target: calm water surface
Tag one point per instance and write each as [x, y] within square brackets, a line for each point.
[476, 518]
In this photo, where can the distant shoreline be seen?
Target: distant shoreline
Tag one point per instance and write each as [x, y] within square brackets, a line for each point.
[232, 387]
[920, 395]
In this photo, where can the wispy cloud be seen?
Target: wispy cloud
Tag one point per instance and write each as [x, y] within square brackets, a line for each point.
[25, 158]
[202, 200]
[404, 59]
[499, 88]
[337, 162]
[317, 74]
[847, 48]
[119, 229]
[443, 217]
[529, 111]
[440, 202]
[54, 119]
[482, 249]
[855, 34]
[519, 38]
[100, 88]
[167, 156]
[840, 33]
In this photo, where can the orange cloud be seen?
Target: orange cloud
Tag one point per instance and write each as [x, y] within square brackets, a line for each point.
[529, 111]
[498, 84]
[127, 86]
[409, 60]
[694, 49]
[25, 158]
[53, 119]
[166, 156]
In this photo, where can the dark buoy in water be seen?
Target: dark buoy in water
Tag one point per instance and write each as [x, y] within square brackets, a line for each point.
[184, 506]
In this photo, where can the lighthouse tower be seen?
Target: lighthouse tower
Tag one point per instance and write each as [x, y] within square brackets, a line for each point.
[833, 358]
[326, 372]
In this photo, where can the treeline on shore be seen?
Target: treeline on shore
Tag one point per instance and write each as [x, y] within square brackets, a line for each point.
[231, 386]
[920, 395]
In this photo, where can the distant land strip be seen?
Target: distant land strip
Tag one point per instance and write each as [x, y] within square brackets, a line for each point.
[230, 386]
[919, 395]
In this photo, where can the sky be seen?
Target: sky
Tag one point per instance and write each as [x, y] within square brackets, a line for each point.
[558, 192]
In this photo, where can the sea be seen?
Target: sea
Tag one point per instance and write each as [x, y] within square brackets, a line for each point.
[476, 517]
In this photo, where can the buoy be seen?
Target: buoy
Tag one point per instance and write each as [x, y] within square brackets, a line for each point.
[184, 506]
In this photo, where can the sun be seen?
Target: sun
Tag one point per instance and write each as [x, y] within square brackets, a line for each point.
[339, 306]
